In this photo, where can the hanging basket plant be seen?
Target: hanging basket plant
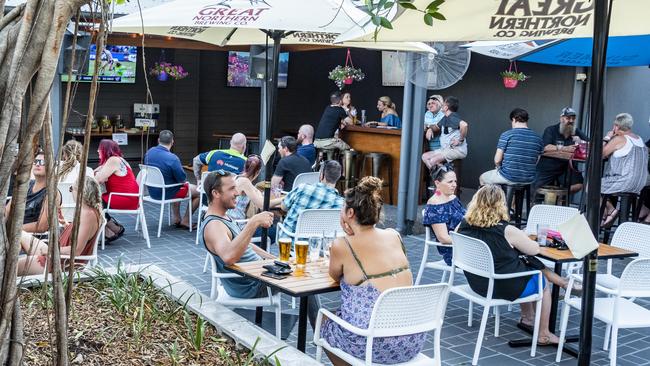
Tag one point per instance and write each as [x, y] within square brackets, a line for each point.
[165, 70]
[345, 75]
[512, 78]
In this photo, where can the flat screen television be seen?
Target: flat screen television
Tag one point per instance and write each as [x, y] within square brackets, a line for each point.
[239, 70]
[118, 65]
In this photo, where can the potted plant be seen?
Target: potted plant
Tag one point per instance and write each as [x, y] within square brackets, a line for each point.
[345, 75]
[512, 78]
[165, 70]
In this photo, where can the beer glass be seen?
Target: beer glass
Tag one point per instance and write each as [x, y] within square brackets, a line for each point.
[285, 249]
[302, 248]
[314, 248]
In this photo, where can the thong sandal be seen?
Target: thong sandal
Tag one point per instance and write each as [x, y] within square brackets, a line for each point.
[608, 220]
[545, 341]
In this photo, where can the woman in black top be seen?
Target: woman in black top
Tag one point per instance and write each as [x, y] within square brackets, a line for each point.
[486, 219]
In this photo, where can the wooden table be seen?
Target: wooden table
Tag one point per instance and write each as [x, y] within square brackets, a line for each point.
[566, 156]
[315, 280]
[369, 139]
[559, 257]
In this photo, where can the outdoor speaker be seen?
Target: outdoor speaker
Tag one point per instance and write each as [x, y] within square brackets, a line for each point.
[257, 61]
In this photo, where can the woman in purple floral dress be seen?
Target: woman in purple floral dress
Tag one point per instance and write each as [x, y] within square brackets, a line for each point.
[367, 262]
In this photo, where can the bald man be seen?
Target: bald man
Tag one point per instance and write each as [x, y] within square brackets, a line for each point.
[231, 160]
[305, 141]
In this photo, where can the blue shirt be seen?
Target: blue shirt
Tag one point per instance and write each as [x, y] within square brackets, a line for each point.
[308, 196]
[431, 119]
[308, 152]
[229, 160]
[449, 213]
[392, 120]
[521, 150]
[170, 167]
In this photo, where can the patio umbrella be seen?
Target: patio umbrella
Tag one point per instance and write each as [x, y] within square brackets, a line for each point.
[254, 22]
[621, 51]
[238, 22]
[508, 20]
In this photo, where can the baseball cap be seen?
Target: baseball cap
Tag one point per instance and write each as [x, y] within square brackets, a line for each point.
[568, 111]
[438, 98]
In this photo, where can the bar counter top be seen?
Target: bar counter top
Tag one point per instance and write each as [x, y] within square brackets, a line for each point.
[383, 131]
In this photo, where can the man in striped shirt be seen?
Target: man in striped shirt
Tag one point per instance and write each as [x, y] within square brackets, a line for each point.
[517, 153]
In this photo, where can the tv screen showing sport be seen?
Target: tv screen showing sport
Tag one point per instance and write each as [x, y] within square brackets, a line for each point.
[118, 65]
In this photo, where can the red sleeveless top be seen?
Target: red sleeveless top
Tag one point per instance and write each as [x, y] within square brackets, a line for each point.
[125, 184]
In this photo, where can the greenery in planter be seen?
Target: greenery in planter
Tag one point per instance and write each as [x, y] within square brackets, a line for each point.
[519, 76]
[340, 73]
[124, 319]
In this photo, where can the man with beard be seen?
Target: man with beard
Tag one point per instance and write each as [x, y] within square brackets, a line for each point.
[548, 169]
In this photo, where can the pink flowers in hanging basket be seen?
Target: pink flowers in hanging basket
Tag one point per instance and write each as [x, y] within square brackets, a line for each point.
[165, 70]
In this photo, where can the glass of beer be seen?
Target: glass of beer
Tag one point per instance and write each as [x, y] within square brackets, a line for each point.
[285, 249]
[302, 250]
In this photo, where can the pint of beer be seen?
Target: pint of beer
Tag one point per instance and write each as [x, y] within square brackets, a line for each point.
[285, 249]
[302, 248]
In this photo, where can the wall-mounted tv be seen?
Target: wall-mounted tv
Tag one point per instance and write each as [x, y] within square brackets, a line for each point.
[118, 65]
[239, 70]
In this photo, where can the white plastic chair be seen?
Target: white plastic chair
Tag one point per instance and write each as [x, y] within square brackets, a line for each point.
[219, 294]
[398, 311]
[241, 224]
[437, 265]
[67, 201]
[155, 179]
[552, 216]
[615, 310]
[308, 178]
[203, 206]
[474, 256]
[140, 219]
[313, 222]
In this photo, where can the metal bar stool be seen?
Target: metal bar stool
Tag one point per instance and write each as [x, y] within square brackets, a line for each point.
[518, 192]
[350, 158]
[378, 161]
[628, 211]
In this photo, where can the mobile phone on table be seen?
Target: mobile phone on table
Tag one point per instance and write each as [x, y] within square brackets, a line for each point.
[273, 275]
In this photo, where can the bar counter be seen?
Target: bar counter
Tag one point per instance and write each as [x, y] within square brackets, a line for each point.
[371, 139]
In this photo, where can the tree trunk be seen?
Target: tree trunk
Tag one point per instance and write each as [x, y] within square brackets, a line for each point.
[30, 43]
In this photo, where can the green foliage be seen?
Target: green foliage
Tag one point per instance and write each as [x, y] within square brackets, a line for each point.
[377, 9]
[514, 75]
[250, 357]
[195, 335]
[174, 353]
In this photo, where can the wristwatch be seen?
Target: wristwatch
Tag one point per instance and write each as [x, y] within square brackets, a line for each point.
[606, 138]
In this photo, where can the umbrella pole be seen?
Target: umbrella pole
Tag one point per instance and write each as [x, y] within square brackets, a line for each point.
[602, 11]
[271, 113]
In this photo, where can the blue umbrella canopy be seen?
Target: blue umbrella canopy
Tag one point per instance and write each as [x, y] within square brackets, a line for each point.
[621, 51]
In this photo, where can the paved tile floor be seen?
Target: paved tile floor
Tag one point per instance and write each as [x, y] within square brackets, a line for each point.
[176, 252]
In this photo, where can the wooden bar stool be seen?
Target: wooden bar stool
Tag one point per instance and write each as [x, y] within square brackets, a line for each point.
[553, 195]
[380, 162]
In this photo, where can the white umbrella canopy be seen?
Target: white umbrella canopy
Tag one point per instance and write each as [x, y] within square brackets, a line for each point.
[507, 20]
[238, 22]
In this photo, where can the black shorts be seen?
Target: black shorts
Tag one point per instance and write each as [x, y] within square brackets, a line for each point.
[546, 178]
